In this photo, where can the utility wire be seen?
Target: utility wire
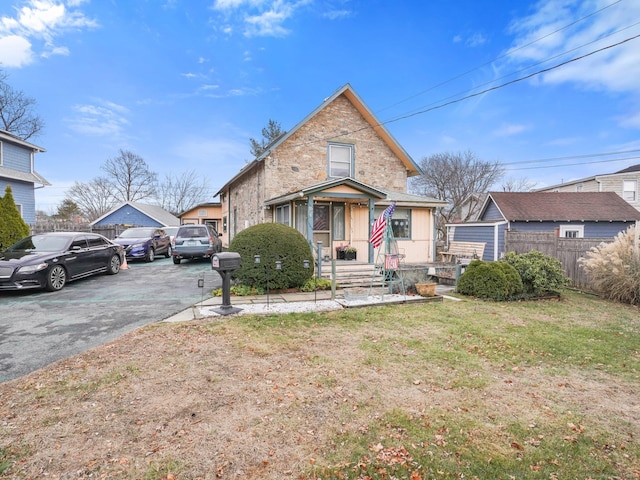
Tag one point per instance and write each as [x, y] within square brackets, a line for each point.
[573, 157]
[499, 57]
[572, 164]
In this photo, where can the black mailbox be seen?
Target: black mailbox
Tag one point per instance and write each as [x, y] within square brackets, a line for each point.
[225, 261]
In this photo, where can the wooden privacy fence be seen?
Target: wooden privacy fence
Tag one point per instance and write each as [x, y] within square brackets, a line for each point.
[567, 250]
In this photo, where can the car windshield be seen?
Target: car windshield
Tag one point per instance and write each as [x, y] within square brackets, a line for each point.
[192, 232]
[40, 243]
[137, 233]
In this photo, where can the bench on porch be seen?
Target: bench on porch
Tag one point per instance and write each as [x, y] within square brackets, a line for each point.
[463, 252]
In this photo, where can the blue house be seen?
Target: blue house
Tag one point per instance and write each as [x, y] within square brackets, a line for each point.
[17, 160]
[135, 214]
[569, 214]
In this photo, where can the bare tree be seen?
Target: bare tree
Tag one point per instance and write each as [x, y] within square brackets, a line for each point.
[130, 177]
[523, 184]
[457, 178]
[16, 111]
[94, 198]
[178, 193]
[270, 133]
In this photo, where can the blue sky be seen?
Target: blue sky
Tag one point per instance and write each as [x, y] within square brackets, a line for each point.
[186, 83]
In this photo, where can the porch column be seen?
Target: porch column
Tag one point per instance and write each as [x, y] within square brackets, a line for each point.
[310, 221]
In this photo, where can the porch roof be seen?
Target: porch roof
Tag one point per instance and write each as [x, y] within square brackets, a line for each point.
[324, 186]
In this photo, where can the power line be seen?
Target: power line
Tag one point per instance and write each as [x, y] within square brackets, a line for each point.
[581, 163]
[572, 157]
[511, 82]
[504, 55]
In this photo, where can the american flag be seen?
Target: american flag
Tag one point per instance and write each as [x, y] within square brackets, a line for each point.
[377, 231]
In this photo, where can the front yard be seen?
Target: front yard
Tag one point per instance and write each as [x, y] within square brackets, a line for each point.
[451, 390]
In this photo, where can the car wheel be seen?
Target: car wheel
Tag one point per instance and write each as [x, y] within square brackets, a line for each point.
[151, 255]
[176, 260]
[169, 252]
[114, 265]
[56, 278]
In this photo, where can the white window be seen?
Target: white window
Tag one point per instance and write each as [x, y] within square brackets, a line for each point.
[572, 231]
[579, 188]
[202, 212]
[629, 189]
[282, 214]
[340, 160]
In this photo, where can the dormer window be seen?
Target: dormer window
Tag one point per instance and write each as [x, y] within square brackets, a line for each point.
[340, 160]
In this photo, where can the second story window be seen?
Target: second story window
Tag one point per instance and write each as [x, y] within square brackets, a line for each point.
[629, 189]
[340, 160]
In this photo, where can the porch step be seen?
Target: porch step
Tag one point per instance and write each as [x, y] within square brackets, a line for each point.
[353, 274]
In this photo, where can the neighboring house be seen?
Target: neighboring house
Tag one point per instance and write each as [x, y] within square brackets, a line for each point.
[134, 214]
[17, 160]
[623, 182]
[329, 177]
[210, 212]
[569, 214]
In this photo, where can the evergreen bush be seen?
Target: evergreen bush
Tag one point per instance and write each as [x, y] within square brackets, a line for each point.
[489, 280]
[614, 270]
[541, 274]
[12, 226]
[273, 242]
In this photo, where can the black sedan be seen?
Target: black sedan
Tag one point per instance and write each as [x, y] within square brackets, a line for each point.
[50, 260]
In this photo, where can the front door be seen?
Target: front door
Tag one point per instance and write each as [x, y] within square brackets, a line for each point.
[328, 224]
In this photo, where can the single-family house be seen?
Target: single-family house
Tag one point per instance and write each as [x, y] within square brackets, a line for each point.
[568, 214]
[17, 168]
[208, 212]
[134, 214]
[623, 182]
[329, 177]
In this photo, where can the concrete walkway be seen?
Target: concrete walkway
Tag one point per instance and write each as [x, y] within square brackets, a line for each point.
[304, 301]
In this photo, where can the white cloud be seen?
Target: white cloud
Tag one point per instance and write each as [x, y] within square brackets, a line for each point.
[510, 130]
[38, 24]
[15, 51]
[614, 69]
[258, 18]
[100, 119]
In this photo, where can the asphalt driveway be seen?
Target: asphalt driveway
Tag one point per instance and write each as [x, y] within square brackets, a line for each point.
[37, 328]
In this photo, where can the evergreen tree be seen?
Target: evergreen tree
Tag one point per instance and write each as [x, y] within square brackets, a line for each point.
[12, 226]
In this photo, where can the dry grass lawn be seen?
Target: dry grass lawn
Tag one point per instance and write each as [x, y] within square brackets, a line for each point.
[280, 397]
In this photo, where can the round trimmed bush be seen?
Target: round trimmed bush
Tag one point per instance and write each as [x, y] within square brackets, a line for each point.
[489, 280]
[273, 242]
[540, 273]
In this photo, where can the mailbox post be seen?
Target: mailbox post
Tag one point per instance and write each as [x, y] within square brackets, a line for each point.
[225, 263]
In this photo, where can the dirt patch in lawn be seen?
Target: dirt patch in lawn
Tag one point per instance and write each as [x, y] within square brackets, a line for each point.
[206, 399]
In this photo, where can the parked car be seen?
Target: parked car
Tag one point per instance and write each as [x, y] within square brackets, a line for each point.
[145, 243]
[50, 260]
[196, 241]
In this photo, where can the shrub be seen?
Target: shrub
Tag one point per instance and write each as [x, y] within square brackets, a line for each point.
[273, 242]
[540, 273]
[12, 226]
[613, 269]
[489, 280]
[317, 284]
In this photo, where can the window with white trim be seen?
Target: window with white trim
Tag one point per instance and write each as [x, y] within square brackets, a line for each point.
[283, 214]
[340, 160]
[19, 207]
[629, 189]
[400, 222]
[572, 231]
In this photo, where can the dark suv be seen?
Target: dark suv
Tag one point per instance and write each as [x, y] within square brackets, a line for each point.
[145, 243]
[195, 241]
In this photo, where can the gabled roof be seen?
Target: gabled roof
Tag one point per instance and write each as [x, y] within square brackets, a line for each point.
[412, 168]
[154, 212]
[323, 186]
[10, 137]
[631, 169]
[34, 177]
[200, 205]
[561, 206]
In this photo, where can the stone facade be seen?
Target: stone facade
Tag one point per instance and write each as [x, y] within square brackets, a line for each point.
[302, 160]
